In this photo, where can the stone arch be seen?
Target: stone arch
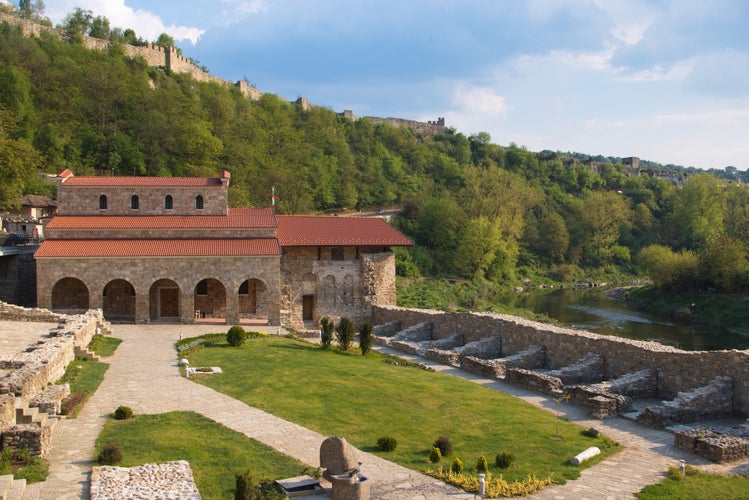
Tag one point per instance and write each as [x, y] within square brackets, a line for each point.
[209, 299]
[164, 300]
[253, 299]
[70, 295]
[118, 301]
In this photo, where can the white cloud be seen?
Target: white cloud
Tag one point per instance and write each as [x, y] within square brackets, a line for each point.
[238, 10]
[480, 100]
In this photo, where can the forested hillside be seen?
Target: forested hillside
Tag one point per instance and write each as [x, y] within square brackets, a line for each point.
[476, 210]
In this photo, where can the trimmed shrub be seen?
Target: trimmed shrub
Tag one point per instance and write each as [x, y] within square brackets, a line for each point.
[326, 332]
[236, 336]
[366, 337]
[345, 333]
[246, 489]
[444, 444]
[387, 443]
[123, 413]
[482, 465]
[457, 466]
[504, 459]
[109, 455]
[435, 456]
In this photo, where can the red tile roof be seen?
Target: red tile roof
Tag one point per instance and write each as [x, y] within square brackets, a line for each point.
[159, 248]
[143, 181]
[243, 218]
[305, 230]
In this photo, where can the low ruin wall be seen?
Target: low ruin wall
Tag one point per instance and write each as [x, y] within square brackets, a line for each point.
[678, 370]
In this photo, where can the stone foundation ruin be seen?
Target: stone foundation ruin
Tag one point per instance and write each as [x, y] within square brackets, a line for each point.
[30, 402]
[604, 374]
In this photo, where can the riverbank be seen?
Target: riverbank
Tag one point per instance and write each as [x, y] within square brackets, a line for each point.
[728, 313]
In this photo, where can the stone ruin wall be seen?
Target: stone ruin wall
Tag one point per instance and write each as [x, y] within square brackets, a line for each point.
[32, 372]
[678, 370]
[424, 128]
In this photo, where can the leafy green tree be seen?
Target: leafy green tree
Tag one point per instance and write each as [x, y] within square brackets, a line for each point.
[77, 23]
[669, 269]
[478, 247]
[697, 217]
[100, 28]
[723, 264]
[602, 215]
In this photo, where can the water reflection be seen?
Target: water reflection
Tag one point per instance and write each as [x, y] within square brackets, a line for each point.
[593, 311]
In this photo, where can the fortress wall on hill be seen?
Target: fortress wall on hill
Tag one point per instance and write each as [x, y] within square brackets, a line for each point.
[678, 370]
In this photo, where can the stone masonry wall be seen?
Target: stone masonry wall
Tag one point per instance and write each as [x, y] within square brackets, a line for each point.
[84, 200]
[677, 370]
[142, 273]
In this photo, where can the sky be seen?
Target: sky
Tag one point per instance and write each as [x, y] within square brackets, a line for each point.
[664, 80]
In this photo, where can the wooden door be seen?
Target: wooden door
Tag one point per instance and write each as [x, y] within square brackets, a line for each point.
[169, 302]
[308, 304]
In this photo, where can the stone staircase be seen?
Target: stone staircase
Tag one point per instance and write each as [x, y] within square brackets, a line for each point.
[12, 489]
[31, 415]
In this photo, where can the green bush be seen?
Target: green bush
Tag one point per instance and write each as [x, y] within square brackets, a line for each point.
[366, 337]
[444, 445]
[109, 455]
[482, 465]
[236, 336]
[246, 489]
[326, 332]
[387, 443]
[345, 333]
[504, 459]
[435, 456]
[457, 466]
[123, 413]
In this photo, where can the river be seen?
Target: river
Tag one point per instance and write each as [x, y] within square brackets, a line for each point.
[592, 310]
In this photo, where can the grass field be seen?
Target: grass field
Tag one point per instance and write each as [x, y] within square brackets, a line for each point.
[697, 486]
[215, 453]
[364, 398]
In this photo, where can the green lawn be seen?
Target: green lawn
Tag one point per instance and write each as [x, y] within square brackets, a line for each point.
[697, 486]
[364, 398]
[84, 377]
[215, 453]
[104, 345]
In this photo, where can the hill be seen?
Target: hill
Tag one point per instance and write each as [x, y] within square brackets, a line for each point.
[476, 210]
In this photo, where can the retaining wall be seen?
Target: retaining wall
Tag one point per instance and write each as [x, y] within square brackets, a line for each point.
[678, 370]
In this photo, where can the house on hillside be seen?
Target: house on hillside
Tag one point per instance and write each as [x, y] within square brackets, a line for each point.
[150, 249]
[29, 220]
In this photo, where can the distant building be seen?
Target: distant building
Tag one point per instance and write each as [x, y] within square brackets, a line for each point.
[29, 220]
[149, 249]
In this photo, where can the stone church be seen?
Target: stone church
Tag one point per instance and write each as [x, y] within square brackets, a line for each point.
[150, 249]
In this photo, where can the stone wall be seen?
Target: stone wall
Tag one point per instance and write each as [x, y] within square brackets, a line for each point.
[12, 312]
[424, 128]
[18, 277]
[677, 370]
[144, 274]
[84, 200]
[357, 280]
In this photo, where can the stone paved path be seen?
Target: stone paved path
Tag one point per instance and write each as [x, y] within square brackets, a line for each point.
[143, 375]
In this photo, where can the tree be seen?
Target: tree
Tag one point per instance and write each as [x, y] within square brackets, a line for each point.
[366, 337]
[345, 333]
[77, 23]
[602, 214]
[99, 28]
[697, 217]
[669, 269]
[723, 263]
[478, 247]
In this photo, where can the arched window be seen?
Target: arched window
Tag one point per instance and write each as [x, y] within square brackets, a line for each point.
[103, 202]
[199, 202]
[168, 202]
[134, 202]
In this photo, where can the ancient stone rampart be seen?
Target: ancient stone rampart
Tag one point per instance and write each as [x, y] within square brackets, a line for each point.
[678, 370]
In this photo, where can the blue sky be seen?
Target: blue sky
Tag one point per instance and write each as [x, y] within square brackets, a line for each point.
[665, 80]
